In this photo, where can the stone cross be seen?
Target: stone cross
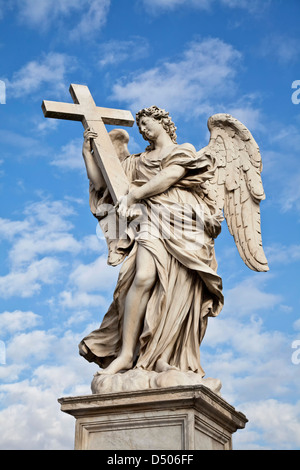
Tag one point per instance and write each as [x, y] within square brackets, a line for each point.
[86, 111]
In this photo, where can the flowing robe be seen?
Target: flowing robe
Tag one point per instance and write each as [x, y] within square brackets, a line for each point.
[187, 290]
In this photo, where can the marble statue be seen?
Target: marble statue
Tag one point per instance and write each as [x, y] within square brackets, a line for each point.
[168, 286]
[160, 212]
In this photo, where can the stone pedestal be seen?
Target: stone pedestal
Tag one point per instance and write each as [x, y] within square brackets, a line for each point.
[177, 418]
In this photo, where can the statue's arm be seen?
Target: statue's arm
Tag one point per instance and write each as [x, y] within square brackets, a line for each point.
[162, 181]
[159, 183]
[93, 171]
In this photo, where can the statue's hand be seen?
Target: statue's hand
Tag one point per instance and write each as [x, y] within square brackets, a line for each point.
[125, 205]
[212, 224]
[88, 135]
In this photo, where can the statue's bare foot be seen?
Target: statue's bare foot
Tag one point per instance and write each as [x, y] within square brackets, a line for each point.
[120, 363]
[163, 366]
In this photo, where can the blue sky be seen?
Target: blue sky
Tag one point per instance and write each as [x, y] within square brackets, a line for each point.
[195, 58]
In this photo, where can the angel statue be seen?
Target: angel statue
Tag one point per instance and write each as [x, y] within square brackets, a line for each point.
[168, 285]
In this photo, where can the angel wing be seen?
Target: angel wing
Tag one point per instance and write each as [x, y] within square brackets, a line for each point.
[236, 187]
[120, 139]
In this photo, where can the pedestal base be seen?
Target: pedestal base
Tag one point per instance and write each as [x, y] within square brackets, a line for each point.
[177, 418]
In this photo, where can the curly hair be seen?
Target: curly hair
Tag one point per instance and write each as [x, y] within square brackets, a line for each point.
[164, 119]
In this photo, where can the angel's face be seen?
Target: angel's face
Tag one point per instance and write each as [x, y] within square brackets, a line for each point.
[150, 128]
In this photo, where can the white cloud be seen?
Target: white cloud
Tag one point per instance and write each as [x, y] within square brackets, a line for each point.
[92, 20]
[12, 322]
[248, 115]
[95, 276]
[70, 156]
[283, 254]
[285, 49]
[53, 376]
[49, 214]
[286, 136]
[297, 325]
[271, 421]
[251, 360]
[87, 16]
[43, 12]
[28, 281]
[34, 345]
[253, 6]
[249, 296]
[89, 286]
[32, 403]
[205, 72]
[114, 52]
[253, 342]
[45, 124]
[45, 230]
[86, 279]
[290, 198]
[158, 6]
[37, 410]
[38, 247]
[11, 373]
[281, 165]
[10, 228]
[50, 70]
[155, 6]
[5, 6]
[92, 244]
[26, 146]
[78, 300]
[28, 248]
